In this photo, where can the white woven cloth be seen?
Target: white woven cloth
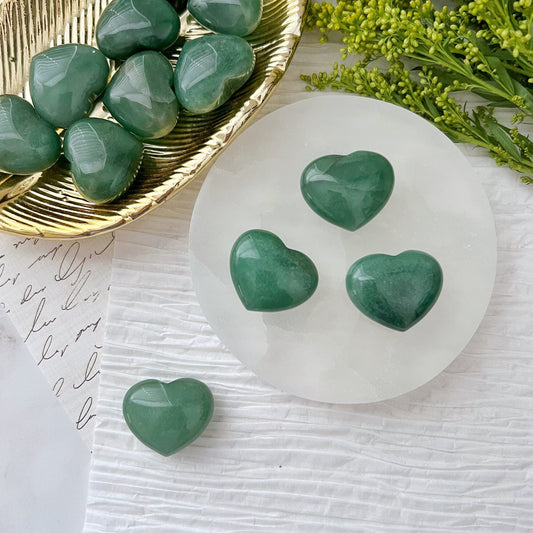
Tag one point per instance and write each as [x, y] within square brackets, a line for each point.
[454, 455]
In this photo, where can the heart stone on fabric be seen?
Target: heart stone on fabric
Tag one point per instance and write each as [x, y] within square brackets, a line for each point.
[267, 275]
[65, 81]
[141, 95]
[104, 158]
[28, 144]
[166, 417]
[348, 190]
[395, 291]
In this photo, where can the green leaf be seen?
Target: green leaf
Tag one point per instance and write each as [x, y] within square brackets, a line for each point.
[525, 93]
[501, 74]
[499, 134]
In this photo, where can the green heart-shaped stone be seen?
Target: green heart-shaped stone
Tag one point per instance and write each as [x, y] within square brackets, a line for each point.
[349, 190]
[168, 416]
[104, 158]
[65, 81]
[129, 26]
[236, 17]
[395, 291]
[210, 69]
[267, 275]
[28, 144]
[141, 95]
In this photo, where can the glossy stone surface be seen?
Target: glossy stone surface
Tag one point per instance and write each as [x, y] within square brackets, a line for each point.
[267, 275]
[235, 17]
[349, 190]
[104, 158]
[168, 416]
[65, 81]
[141, 95]
[210, 69]
[28, 144]
[129, 26]
[395, 291]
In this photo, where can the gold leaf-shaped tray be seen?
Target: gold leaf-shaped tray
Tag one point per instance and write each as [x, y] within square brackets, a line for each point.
[47, 205]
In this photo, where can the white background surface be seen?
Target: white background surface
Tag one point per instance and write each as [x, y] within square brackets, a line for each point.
[454, 455]
[43, 462]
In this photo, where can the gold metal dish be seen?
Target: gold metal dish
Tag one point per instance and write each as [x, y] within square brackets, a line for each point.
[47, 205]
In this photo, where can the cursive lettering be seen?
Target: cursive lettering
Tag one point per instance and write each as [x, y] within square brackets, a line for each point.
[7, 279]
[36, 326]
[90, 373]
[93, 325]
[51, 253]
[70, 302]
[47, 353]
[24, 241]
[58, 385]
[85, 417]
[92, 297]
[70, 265]
[112, 240]
[29, 293]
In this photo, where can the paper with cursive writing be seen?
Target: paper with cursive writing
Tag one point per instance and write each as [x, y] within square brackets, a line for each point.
[55, 293]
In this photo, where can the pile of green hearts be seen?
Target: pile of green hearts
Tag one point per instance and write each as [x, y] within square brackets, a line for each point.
[144, 95]
[348, 191]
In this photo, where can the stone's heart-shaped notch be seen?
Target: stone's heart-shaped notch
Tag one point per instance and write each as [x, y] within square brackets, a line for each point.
[141, 95]
[166, 417]
[104, 158]
[129, 26]
[349, 190]
[65, 81]
[28, 144]
[395, 291]
[235, 17]
[210, 69]
[267, 275]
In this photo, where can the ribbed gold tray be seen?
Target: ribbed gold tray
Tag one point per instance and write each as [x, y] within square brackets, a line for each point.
[47, 205]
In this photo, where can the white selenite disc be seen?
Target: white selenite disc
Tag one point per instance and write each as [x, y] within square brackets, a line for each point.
[326, 349]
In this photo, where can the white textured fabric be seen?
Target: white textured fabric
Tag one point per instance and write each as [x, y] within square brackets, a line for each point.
[454, 455]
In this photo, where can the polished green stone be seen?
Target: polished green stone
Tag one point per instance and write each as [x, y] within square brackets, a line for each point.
[349, 190]
[129, 26]
[168, 416]
[267, 275]
[65, 81]
[141, 95]
[28, 144]
[235, 17]
[104, 158]
[395, 291]
[210, 69]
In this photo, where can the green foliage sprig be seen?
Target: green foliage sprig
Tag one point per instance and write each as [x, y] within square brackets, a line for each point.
[452, 50]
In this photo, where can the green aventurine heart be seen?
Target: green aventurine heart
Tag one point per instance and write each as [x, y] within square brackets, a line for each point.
[129, 26]
[28, 144]
[141, 95]
[168, 416]
[267, 275]
[104, 158]
[210, 69]
[350, 190]
[395, 291]
[65, 81]
[236, 17]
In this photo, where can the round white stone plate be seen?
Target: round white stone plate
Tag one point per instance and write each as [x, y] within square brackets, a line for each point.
[325, 349]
